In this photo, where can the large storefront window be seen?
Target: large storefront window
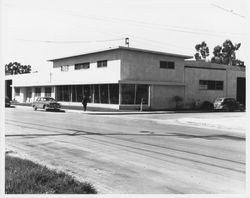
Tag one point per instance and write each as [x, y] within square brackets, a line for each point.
[104, 90]
[29, 92]
[17, 91]
[97, 98]
[63, 93]
[114, 93]
[78, 91]
[128, 94]
[47, 91]
[102, 93]
[142, 94]
[134, 94]
[37, 92]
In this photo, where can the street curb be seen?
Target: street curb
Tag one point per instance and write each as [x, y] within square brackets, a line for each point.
[102, 112]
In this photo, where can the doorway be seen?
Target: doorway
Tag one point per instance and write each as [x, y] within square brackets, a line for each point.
[241, 90]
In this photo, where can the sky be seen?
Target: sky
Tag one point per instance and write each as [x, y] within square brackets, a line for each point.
[34, 31]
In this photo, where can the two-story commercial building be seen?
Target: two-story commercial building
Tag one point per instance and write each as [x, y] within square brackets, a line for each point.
[123, 78]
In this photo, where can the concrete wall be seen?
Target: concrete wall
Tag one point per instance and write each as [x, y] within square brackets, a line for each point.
[146, 67]
[93, 75]
[31, 79]
[210, 71]
[233, 74]
[192, 89]
[161, 96]
[92, 58]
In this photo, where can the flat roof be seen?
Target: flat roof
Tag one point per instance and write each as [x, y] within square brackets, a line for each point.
[129, 49]
[210, 65]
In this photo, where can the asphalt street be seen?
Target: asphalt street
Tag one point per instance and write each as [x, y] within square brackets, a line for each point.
[130, 153]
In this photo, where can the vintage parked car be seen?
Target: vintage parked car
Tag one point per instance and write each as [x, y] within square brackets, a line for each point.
[7, 101]
[228, 104]
[46, 103]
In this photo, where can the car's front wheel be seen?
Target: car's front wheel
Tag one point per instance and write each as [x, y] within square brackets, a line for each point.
[35, 108]
[45, 107]
[242, 109]
[226, 109]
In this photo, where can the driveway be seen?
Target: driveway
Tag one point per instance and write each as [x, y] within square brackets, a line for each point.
[130, 154]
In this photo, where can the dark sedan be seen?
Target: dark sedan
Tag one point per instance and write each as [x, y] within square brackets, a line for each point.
[228, 104]
[46, 103]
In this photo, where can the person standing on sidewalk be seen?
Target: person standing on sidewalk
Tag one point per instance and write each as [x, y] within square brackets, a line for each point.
[84, 102]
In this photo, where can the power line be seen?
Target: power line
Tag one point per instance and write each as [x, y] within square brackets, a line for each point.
[227, 10]
[144, 24]
[69, 42]
[159, 26]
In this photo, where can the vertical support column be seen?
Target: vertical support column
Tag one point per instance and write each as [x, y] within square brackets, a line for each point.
[12, 92]
[42, 91]
[93, 93]
[149, 95]
[135, 94]
[71, 93]
[99, 89]
[108, 94]
[22, 94]
[53, 92]
[120, 94]
[226, 82]
[32, 94]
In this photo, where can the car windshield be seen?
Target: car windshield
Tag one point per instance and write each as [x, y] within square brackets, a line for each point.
[49, 99]
[219, 100]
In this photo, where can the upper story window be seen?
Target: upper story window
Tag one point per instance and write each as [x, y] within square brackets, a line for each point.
[102, 63]
[81, 66]
[167, 65]
[65, 68]
[211, 85]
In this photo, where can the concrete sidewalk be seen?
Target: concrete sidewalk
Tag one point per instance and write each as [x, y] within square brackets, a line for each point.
[230, 124]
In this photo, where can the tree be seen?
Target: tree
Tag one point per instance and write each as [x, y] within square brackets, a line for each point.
[226, 54]
[17, 68]
[202, 51]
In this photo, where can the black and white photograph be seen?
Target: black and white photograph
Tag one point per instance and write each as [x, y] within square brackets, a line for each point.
[124, 98]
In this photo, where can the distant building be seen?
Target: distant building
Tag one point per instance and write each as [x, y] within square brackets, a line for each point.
[123, 78]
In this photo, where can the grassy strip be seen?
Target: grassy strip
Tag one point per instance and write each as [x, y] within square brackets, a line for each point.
[26, 177]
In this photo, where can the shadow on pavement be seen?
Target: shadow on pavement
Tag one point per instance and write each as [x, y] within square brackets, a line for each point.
[11, 107]
[141, 133]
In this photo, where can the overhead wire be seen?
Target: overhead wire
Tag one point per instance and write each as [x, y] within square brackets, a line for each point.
[150, 25]
[70, 42]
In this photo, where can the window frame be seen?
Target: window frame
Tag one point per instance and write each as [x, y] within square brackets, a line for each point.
[215, 85]
[167, 64]
[47, 94]
[38, 94]
[102, 63]
[85, 65]
[17, 91]
[65, 68]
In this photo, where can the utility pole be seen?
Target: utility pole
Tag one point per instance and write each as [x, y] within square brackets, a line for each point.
[127, 42]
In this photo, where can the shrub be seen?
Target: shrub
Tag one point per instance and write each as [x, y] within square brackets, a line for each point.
[206, 105]
[177, 100]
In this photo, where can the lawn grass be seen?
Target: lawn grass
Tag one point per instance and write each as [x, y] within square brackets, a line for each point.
[25, 177]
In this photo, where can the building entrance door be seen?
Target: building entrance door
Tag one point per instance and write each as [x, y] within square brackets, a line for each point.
[241, 90]
[8, 88]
